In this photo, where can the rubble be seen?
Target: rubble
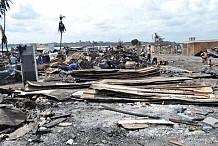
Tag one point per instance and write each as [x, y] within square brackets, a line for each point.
[11, 116]
[211, 121]
[20, 132]
[9, 74]
[89, 109]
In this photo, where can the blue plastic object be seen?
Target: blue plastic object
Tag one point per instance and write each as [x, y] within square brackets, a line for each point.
[72, 66]
[185, 116]
[68, 68]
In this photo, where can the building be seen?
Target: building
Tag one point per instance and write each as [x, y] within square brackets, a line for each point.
[193, 47]
[165, 47]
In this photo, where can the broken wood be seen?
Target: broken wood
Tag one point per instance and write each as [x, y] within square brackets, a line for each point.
[146, 121]
[41, 92]
[129, 113]
[192, 93]
[57, 85]
[152, 117]
[144, 81]
[111, 96]
[199, 91]
[55, 94]
[177, 143]
[134, 126]
[114, 74]
[54, 122]
[60, 116]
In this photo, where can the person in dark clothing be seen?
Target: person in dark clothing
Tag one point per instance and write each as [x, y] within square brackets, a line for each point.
[67, 51]
[20, 51]
[154, 61]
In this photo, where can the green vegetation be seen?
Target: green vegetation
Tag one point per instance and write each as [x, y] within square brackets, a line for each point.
[135, 42]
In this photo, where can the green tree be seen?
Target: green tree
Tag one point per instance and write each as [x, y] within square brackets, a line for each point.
[135, 42]
[61, 28]
[4, 6]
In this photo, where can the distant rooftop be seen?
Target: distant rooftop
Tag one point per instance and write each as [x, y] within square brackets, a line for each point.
[200, 41]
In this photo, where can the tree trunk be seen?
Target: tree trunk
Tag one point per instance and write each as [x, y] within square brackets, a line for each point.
[4, 21]
[4, 34]
[60, 40]
[4, 30]
[2, 46]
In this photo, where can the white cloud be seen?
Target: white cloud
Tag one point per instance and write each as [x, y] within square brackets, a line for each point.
[25, 12]
[111, 20]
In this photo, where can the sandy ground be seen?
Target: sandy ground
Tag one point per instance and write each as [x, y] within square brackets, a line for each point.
[92, 125]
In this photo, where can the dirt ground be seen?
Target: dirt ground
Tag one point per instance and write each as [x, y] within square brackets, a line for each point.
[92, 125]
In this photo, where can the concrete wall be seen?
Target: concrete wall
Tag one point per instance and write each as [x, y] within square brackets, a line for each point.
[163, 50]
[204, 46]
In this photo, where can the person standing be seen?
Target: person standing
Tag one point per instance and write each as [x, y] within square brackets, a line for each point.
[202, 57]
[67, 51]
[205, 57]
[13, 59]
[209, 63]
[149, 53]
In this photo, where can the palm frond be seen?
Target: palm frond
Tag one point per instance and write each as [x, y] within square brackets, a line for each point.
[61, 17]
[7, 4]
[2, 12]
[61, 27]
[4, 6]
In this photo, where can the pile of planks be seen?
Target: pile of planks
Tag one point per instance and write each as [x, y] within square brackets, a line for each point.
[114, 73]
[108, 90]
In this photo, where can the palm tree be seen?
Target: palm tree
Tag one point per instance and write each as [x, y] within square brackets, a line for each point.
[4, 38]
[61, 28]
[4, 6]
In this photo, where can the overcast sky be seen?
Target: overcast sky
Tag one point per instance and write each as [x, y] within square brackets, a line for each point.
[111, 20]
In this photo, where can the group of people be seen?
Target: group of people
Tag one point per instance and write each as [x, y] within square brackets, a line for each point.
[147, 55]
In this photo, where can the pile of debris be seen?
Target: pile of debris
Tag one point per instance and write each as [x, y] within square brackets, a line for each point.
[147, 90]
[113, 58]
[115, 73]
[9, 73]
[28, 111]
